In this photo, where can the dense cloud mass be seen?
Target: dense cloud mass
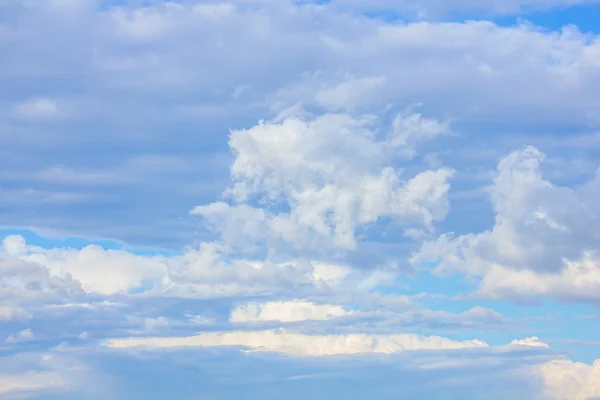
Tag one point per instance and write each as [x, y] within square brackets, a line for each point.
[332, 175]
[544, 240]
[299, 199]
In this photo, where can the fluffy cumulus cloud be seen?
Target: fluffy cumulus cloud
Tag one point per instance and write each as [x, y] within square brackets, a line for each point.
[92, 269]
[31, 274]
[124, 80]
[571, 380]
[544, 240]
[324, 178]
[31, 270]
[273, 193]
[530, 341]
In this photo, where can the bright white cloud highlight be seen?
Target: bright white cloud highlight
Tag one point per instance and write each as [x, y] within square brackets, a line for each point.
[303, 345]
[285, 311]
[544, 240]
[533, 341]
[96, 269]
[333, 173]
[30, 272]
[568, 380]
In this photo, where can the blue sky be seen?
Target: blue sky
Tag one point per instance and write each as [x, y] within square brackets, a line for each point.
[206, 200]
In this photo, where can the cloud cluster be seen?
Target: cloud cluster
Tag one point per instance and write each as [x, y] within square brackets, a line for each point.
[319, 179]
[166, 92]
[566, 379]
[119, 132]
[544, 240]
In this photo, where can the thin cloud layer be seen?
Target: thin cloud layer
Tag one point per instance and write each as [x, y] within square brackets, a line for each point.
[298, 344]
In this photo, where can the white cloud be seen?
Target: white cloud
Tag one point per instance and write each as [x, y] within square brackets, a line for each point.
[14, 245]
[330, 274]
[304, 345]
[533, 341]
[568, 380]
[544, 240]
[30, 272]
[22, 336]
[96, 269]
[285, 311]
[134, 66]
[299, 180]
[208, 272]
[22, 281]
[579, 280]
[333, 174]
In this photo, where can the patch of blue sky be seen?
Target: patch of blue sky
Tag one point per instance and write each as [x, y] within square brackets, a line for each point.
[586, 17]
[144, 287]
[577, 335]
[545, 318]
[427, 282]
